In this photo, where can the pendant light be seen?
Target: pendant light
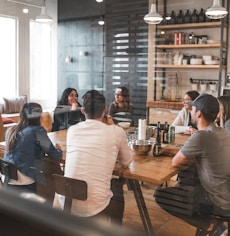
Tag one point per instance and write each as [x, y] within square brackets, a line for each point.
[216, 11]
[43, 17]
[153, 17]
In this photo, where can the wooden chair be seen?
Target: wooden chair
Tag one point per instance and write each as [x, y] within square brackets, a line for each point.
[47, 191]
[2, 130]
[46, 121]
[9, 170]
[71, 189]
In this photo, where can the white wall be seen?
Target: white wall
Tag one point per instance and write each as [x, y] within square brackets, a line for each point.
[14, 9]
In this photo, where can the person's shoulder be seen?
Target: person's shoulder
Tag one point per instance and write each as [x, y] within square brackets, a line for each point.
[227, 125]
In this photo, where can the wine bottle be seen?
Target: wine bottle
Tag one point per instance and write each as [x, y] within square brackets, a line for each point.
[194, 17]
[180, 17]
[187, 17]
[173, 18]
[201, 16]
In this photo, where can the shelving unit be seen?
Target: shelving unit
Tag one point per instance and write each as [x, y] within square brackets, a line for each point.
[159, 106]
[221, 45]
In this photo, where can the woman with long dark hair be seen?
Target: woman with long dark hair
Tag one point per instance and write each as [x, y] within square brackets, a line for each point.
[121, 109]
[26, 145]
[68, 110]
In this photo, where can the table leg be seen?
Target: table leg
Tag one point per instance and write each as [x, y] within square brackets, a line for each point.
[135, 186]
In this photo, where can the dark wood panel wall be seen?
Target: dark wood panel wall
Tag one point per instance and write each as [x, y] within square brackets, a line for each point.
[115, 54]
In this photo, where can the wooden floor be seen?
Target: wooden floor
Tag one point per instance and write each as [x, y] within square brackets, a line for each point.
[163, 223]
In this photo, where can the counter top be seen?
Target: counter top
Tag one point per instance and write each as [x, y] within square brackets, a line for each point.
[165, 104]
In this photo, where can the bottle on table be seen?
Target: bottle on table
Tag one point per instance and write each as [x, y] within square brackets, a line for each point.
[171, 134]
[165, 133]
[157, 144]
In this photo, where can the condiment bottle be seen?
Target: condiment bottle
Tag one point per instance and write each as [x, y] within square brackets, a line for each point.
[171, 134]
[157, 144]
[165, 132]
[156, 149]
[158, 134]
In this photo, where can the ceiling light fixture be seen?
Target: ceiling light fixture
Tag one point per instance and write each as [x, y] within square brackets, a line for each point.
[44, 17]
[153, 17]
[99, 0]
[101, 21]
[216, 11]
[25, 10]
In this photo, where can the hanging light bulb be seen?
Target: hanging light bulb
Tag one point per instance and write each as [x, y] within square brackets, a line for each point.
[153, 17]
[216, 11]
[25, 10]
[101, 22]
[43, 17]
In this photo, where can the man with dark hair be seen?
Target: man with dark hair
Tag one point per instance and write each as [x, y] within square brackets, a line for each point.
[206, 153]
[93, 148]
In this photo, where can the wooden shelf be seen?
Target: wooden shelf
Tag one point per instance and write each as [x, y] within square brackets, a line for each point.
[211, 45]
[188, 66]
[191, 25]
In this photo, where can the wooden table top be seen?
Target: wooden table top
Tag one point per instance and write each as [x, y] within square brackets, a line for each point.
[150, 169]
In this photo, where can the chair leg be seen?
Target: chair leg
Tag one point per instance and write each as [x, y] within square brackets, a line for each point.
[200, 232]
[228, 228]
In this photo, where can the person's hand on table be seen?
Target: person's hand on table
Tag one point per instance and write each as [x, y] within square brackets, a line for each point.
[108, 120]
[58, 146]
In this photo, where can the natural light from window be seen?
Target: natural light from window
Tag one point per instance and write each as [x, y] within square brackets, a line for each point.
[40, 61]
[8, 56]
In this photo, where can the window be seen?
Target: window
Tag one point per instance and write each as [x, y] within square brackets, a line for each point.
[40, 62]
[8, 56]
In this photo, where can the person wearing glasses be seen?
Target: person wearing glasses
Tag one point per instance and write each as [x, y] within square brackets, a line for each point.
[121, 109]
[68, 111]
[184, 116]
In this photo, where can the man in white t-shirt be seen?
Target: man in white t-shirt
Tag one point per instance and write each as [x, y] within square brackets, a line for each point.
[93, 148]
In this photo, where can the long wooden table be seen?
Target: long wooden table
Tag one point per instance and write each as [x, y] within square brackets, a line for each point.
[149, 169]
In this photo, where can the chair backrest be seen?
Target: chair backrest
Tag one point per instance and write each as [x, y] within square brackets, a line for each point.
[46, 121]
[8, 169]
[71, 189]
[2, 130]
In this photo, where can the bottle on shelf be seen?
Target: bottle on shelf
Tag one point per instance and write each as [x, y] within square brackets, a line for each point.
[187, 17]
[201, 16]
[173, 18]
[194, 17]
[165, 132]
[180, 17]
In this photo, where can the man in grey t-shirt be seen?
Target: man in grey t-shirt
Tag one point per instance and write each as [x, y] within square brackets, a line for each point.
[207, 150]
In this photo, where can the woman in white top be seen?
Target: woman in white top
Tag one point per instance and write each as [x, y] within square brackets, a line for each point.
[184, 117]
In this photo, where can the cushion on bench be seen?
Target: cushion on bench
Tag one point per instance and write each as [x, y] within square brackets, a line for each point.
[13, 105]
[6, 120]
